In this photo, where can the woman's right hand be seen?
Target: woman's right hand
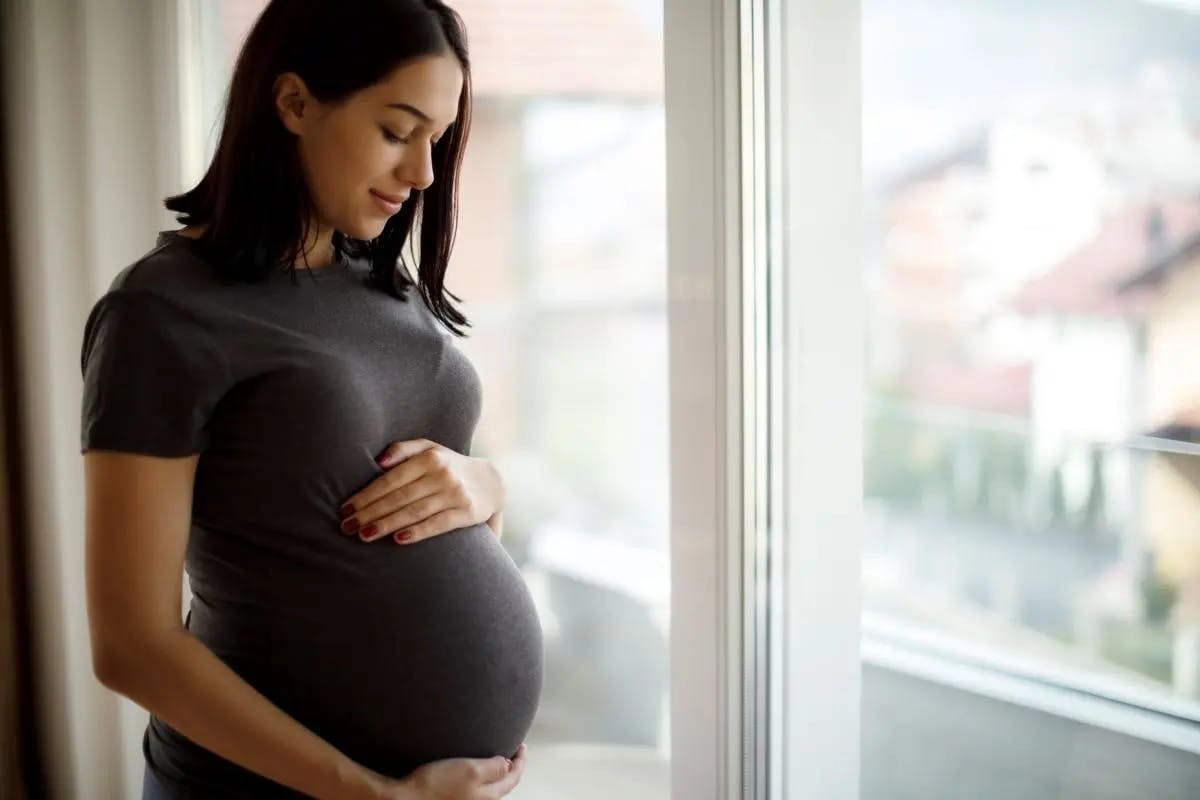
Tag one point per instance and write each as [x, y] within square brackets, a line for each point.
[459, 779]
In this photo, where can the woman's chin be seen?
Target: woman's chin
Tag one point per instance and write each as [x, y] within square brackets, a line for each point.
[366, 228]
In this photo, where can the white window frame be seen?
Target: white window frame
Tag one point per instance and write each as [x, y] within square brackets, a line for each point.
[703, 245]
[765, 544]
[816, 294]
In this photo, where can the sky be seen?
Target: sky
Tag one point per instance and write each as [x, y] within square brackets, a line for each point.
[934, 70]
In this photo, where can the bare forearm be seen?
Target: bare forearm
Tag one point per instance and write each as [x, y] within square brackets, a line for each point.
[184, 683]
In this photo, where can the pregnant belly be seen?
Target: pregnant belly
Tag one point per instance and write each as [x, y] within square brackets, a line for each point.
[396, 655]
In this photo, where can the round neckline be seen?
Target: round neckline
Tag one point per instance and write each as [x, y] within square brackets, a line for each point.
[340, 266]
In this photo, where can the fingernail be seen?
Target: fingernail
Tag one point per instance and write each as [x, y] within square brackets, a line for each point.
[348, 508]
[350, 525]
[403, 536]
[507, 764]
[368, 532]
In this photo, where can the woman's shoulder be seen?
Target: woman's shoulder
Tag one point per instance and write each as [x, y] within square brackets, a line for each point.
[167, 286]
[170, 270]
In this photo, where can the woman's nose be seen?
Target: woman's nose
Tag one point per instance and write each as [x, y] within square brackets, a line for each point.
[418, 169]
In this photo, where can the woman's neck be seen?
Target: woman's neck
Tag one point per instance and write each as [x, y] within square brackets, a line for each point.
[317, 255]
[318, 252]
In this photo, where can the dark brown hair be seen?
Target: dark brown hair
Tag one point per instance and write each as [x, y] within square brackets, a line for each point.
[254, 198]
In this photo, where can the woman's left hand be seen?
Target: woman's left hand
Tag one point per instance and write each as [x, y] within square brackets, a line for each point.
[426, 490]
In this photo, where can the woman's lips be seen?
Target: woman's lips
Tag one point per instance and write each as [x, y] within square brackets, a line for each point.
[390, 203]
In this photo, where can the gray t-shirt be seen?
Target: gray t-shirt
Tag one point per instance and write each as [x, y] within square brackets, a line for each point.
[396, 654]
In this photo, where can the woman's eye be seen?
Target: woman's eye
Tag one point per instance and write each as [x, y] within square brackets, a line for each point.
[391, 137]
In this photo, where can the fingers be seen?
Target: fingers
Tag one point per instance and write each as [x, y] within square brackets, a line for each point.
[442, 522]
[396, 452]
[403, 507]
[491, 770]
[385, 484]
[432, 522]
[427, 474]
[509, 781]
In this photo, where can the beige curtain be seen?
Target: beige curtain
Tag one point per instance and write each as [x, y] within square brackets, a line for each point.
[90, 112]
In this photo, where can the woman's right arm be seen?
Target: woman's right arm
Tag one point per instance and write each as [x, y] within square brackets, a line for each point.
[138, 520]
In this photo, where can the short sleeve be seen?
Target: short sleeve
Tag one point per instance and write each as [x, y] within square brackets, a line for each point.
[151, 376]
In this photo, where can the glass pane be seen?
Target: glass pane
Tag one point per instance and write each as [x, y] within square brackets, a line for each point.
[1032, 464]
[560, 259]
[1033, 261]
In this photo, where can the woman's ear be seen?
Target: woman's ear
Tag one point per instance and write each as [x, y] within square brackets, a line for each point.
[293, 102]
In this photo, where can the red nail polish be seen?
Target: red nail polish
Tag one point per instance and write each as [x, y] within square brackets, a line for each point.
[368, 532]
[348, 508]
[350, 525]
[403, 536]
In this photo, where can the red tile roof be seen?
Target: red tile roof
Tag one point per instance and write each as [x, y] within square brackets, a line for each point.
[580, 48]
[536, 48]
[1088, 282]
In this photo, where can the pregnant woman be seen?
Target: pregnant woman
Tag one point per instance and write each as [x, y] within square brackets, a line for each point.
[274, 402]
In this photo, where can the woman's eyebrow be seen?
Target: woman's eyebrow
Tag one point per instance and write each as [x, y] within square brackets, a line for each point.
[412, 110]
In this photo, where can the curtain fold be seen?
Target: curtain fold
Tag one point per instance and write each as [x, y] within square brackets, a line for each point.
[89, 111]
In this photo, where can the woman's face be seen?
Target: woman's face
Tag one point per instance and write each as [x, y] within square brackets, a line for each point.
[363, 156]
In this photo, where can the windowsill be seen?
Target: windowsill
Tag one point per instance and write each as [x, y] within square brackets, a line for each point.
[585, 771]
[978, 670]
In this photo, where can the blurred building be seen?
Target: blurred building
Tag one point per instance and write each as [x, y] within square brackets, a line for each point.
[1037, 305]
[1123, 319]
[1171, 516]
